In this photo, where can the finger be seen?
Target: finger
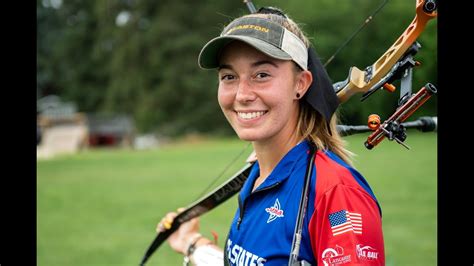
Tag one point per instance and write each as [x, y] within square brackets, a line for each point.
[160, 228]
[168, 220]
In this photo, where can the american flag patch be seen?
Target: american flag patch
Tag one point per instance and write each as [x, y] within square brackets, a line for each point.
[344, 221]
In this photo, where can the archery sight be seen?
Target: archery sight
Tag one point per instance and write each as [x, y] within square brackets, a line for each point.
[392, 127]
[407, 103]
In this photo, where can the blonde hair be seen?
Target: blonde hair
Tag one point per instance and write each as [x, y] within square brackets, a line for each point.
[311, 125]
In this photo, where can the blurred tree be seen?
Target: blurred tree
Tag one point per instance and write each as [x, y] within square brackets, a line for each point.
[140, 56]
[329, 24]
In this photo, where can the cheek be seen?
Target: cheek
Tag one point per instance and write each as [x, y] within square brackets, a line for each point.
[281, 97]
[224, 98]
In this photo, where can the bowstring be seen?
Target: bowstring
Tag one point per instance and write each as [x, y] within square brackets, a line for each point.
[223, 171]
[364, 24]
[252, 9]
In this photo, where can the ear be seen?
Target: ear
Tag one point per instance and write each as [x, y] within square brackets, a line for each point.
[303, 81]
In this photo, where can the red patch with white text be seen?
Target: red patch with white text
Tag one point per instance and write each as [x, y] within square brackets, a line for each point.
[366, 252]
[335, 256]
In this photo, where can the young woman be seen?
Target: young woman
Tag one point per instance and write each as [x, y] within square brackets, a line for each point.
[276, 94]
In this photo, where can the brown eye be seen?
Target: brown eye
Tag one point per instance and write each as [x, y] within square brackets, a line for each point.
[227, 77]
[262, 75]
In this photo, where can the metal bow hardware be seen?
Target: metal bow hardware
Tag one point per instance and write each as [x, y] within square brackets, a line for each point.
[392, 127]
[396, 63]
[364, 80]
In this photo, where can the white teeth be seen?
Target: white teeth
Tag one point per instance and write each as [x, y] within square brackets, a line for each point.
[250, 115]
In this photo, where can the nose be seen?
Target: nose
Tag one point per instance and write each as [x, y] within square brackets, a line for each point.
[244, 91]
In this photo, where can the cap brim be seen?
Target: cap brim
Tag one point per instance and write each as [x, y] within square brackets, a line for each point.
[208, 57]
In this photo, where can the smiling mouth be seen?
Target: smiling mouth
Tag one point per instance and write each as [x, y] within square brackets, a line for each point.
[250, 115]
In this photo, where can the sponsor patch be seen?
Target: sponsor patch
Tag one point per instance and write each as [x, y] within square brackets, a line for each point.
[275, 211]
[366, 252]
[335, 256]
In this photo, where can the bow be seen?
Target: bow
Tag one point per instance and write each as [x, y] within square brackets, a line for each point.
[368, 79]
[396, 63]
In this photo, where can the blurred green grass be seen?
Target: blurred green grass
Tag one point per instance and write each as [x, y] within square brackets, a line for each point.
[100, 207]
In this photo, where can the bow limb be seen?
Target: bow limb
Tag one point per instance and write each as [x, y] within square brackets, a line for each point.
[201, 206]
[362, 80]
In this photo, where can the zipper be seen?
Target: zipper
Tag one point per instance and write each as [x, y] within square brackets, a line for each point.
[242, 205]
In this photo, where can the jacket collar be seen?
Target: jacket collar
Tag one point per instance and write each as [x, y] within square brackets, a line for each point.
[281, 172]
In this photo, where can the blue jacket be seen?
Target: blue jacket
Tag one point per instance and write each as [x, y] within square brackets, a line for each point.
[263, 227]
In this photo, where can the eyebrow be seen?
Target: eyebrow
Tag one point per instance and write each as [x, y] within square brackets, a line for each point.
[255, 64]
[224, 66]
[263, 62]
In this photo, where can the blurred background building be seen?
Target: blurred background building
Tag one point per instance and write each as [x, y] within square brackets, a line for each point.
[62, 129]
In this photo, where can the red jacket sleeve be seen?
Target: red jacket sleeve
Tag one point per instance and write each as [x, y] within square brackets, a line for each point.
[346, 228]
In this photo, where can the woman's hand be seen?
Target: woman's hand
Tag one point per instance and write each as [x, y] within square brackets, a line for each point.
[180, 239]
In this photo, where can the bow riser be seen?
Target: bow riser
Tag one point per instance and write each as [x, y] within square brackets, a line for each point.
[361, 81]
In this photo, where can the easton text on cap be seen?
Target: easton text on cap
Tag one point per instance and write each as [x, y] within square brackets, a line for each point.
[262, 34]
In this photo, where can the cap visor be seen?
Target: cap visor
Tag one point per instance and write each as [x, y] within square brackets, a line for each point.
[208, 57]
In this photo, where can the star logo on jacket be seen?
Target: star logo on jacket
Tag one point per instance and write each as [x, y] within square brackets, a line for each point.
[275, 211]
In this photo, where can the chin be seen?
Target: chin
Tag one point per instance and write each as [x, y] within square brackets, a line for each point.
[248, 136]
[247, 139]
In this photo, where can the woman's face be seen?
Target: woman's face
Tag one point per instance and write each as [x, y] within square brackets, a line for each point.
[257, 93]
